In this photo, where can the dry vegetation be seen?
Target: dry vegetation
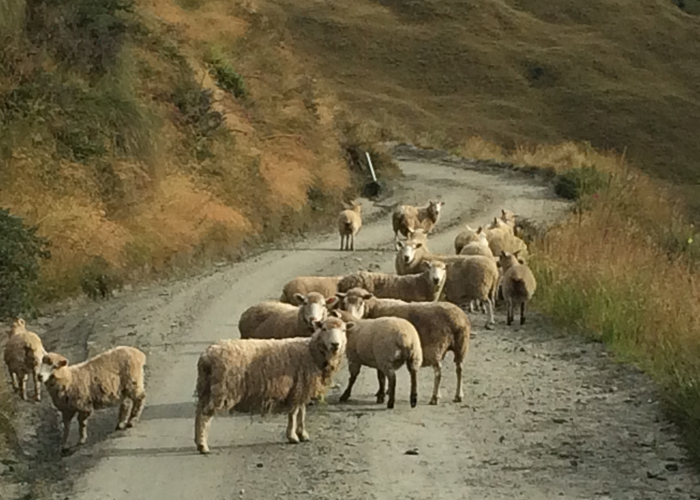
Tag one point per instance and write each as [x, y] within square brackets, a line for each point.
[624, 268]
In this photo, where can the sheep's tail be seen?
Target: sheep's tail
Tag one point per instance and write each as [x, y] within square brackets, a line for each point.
[348, 225]
[519, 287]
[460, 339]
[414, 357]
[203, 381]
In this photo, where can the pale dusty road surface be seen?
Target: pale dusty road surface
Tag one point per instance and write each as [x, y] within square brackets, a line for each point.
[545, 415]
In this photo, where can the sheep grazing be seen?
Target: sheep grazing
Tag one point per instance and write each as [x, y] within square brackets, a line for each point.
[441, 327]
[408, 217]
[384, 344]
[349, 223]
[468, 235]
[113, 376]
[473, 278]
[276, 320]
[519, 284]
[424, 287]
[23, 354]
[480, 246]
[267, 376]
[304, 285]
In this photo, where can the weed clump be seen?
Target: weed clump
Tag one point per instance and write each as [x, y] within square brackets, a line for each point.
[577, 183]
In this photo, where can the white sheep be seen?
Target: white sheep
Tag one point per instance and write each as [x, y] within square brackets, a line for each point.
[480, 246]
[23, 354]
[409, 256]
[424, 287]
[349, 224]
[304, 285]
[267, 376]
[442, 327]
[408, 217]
[115, 376]
[276, 320]
[384, 344]
[474, 278]
[466, 236]
[519, 284]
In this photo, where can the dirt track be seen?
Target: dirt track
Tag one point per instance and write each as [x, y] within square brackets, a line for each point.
[545, 415]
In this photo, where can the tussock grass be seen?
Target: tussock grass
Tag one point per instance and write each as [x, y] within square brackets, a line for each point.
[624, 269]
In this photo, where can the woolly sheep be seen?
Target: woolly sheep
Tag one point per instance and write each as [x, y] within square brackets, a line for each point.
[407, 217]
[384, 344]
[409, 256]
[424, 287]
[349, 223]
[115, 376]
[304, 285]
[276, 320]
[474, 278]
[267, 376]
[466, 236]
[501, 241]
[480, 246]
[441, 327]
[23, 354]
[519, 284]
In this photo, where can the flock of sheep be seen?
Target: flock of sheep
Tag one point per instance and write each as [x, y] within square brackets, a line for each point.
[290, 350]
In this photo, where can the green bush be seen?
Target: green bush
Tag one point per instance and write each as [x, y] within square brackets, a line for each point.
[579, 182]
[20, 252]
[98, 279]
[197, 115]
[227, 78]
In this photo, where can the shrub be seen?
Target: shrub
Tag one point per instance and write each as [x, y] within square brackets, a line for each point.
[197, 115]
[98, 279]
[227, 78]
[20, 252]
[579, 182]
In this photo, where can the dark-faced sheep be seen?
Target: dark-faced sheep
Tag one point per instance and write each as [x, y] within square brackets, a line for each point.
[267, 376]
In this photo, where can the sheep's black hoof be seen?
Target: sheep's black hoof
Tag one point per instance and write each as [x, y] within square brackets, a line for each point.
[390, 405]
[414, 400]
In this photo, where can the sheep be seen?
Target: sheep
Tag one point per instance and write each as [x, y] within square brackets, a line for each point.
[23, 354]
[304, 285]
[468, 235]
[519, 284]
[441, 327]
[503, 241]
[424, 287]
[276, 320]
[500, 225]
[349, 224]
[480, 246]
[409, 256]
[509, 218]
[113, 376]
[267, 376]
[384, 344]
[470, 279]
[407, 217]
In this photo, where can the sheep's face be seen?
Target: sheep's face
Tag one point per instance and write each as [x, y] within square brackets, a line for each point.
[407, 251]
[354, 302]
[313, 308]
[507, 260]
[437, 272]
[332, 335]
[49, 364]
[434, 209]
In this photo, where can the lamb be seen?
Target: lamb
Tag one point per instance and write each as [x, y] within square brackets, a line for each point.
[267, 376]
[480, 246]
[441, 327]
[424, 287]
[384, 344]
[473, 278]
[468, 235]
[113, 376]
[304, 285]
[23, 354]
[276, 320]
[407, 217]
[519, 284]
[349, 223]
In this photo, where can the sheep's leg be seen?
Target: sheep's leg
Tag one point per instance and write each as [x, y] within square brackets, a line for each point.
[382, 391]
[23, 386]
[342, 242]
[522, 313]
[354, 372]
[301, 424]
[471, 306]
[15, 381]
[37, 386]
[67, 417]
[459, 393]
[436, 384]
[124, 411]
[292, 426]
[352, 242]
[137, 410]
[414, 387]
[491, 321]
[82, 425]
[510, 313]
[391, 375]
[202, 422]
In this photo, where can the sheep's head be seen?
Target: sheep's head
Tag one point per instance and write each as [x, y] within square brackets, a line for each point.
[407, 250]
[507, 260]
[434, 208]
[49, 364]
[354, 301]
[330, 335]
[313, 308]
[437, 272]
[508, 217]
[18, 326]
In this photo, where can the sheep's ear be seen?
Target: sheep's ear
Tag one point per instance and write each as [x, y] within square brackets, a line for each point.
[469, 228]
[332, 301]
[411, 231]
[336, 314]
[21, 322]
[399, 245]
[46, 360]
[341, 295]
[318, 325]
[349, 326]
[478, 231]
[301, 298]
[367, 296]
[442, 204]
[419, 245]
[503, 253]
[503, 212]
[61, 363]
[516, 253]
[521, 261]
